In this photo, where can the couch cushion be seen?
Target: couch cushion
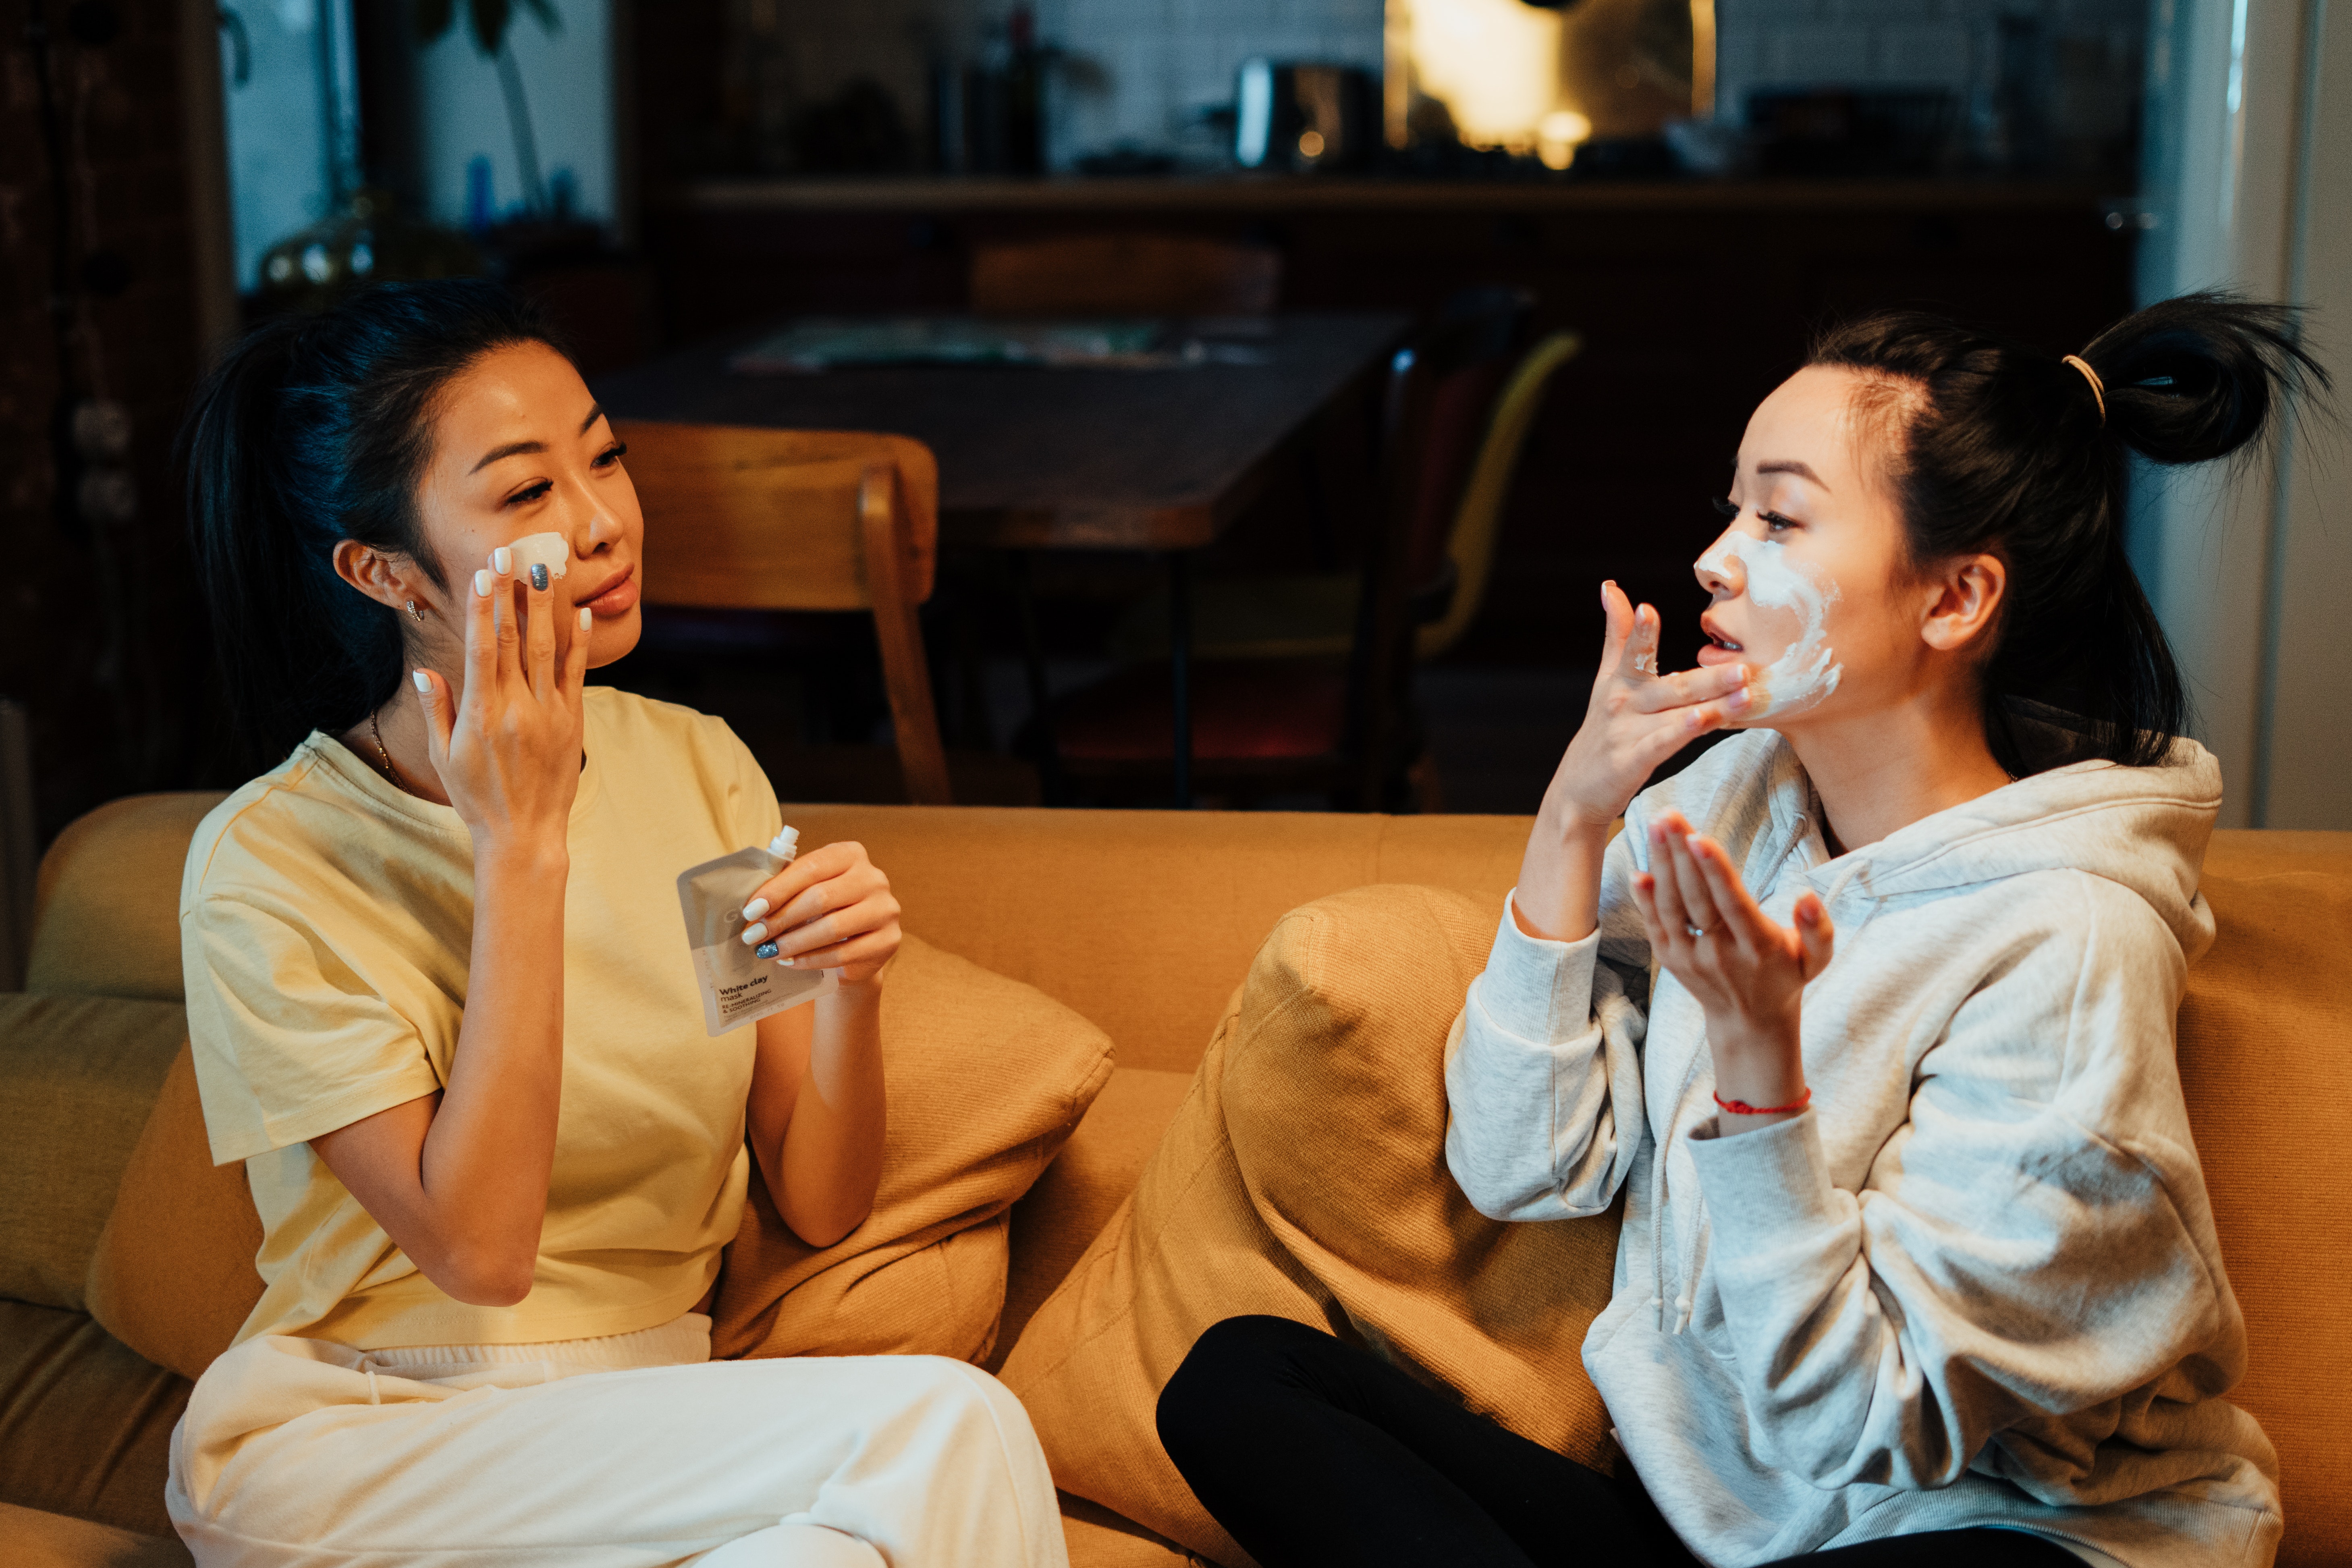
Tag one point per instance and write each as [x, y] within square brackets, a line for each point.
[987, 1078]
[106, 917]
[1305, 1177]
[1143, 919]
[85, 1424]
[78, 1076]
[173, 1277]
[1079, 1193]
[2265, 1052]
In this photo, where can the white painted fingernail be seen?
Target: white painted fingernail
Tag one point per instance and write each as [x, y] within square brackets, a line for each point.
[481, 584]
[754, 934]
[784, 964]
[587, 619]
[502, 560]
[755, 909]
[424, 681]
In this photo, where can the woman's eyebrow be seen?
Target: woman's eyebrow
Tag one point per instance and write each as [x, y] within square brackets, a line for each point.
[517, 449]
[511, 449]
[1790, 465]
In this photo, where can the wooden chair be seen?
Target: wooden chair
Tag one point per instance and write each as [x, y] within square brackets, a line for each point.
[1125, 275]
[741, 518]
[1337, 722]
[1313, 615]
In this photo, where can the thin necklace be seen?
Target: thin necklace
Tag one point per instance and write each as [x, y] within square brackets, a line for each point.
[385, 756]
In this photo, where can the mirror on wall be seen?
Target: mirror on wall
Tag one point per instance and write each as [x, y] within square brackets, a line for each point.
[1543, 80]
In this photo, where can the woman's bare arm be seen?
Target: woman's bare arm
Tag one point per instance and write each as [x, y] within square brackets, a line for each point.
[459, 1179]
[817, 1107]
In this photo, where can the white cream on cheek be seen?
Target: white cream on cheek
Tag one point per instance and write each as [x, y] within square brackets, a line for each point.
[552, 550]
[1806, 671]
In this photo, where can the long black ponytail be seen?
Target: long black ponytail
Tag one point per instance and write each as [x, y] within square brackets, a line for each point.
[2009, 450]
[311, 430]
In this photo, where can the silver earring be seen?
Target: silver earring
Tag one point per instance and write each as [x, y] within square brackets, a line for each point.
[413, 611]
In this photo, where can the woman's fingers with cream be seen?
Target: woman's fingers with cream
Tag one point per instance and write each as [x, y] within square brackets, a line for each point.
[1691, 687]
[482, 637]
[576, 654]
[539, 632]
[1681, 868]
[1743, 920]
[1815, 934]
[440, 713]
[1618, 611]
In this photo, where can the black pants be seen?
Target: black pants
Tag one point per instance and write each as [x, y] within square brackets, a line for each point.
[1309, 1451]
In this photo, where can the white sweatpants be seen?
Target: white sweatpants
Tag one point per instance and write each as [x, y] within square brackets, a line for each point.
[635, 1451]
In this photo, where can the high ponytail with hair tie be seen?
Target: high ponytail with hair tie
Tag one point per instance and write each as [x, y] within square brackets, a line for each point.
[1999, 452]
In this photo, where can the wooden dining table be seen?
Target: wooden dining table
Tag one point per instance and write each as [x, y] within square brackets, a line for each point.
[1161, 459]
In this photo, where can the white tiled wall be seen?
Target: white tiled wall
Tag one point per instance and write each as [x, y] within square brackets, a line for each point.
[1140, 72]
[1895, 43]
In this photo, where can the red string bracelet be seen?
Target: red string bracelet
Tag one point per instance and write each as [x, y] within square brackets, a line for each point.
[1741, 1108]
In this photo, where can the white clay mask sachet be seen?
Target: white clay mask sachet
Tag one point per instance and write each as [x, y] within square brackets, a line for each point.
[1808, 671]
[738, 986]
[552, 550]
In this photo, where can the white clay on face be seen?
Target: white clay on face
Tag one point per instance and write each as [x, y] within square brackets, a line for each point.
[1806, 672]
[552, 550]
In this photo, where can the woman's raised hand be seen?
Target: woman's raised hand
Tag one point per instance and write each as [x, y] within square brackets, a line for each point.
[508, 747]
[1746, 972]
[1637, 718]
[831, 909]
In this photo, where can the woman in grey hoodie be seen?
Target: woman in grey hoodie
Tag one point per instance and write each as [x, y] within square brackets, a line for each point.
[1867, 1015]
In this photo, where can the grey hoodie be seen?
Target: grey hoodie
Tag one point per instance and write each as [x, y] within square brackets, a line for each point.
[1977, 1282]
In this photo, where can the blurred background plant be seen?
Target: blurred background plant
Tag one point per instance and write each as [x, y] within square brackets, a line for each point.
[488, 22]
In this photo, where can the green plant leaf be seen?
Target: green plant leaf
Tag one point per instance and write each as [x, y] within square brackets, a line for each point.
[433, 18]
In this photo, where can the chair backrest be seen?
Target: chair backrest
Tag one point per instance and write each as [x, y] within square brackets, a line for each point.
[1463, 356]
[1125, 275]
[1470, 548]
[744, 519]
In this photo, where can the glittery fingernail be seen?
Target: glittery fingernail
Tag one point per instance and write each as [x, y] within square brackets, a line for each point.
[539, 576]
[766, 950]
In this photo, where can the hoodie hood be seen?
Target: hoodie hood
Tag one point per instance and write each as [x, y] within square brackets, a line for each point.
[2143, 828]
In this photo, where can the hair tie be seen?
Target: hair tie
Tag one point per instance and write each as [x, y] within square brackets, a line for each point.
[2098, 387]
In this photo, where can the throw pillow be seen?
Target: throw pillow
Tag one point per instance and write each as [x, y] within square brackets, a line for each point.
[1306, 1177]
[987, 1078]
[173, 1277]
[77, 1075]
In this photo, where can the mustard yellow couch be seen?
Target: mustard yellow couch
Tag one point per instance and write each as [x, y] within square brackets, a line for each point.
[1143, 921]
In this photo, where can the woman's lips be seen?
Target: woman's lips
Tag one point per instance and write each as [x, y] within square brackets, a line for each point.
[616, 599]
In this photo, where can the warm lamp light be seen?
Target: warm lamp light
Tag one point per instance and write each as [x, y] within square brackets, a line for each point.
[1556, 135]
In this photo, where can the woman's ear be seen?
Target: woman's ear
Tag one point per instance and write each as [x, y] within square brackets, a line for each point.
[386, 579]
[1967, 596]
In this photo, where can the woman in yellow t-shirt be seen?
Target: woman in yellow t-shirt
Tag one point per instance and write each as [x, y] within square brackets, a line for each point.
[443, 1009]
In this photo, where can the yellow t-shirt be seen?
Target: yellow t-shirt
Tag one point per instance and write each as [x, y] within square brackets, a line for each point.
[326, 921]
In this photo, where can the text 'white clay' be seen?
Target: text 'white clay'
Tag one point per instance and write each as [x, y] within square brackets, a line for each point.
[552, 550]
[1807, 672]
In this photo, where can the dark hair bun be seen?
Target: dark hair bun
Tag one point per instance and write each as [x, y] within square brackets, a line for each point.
[2006, 451]
[2199, 377]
